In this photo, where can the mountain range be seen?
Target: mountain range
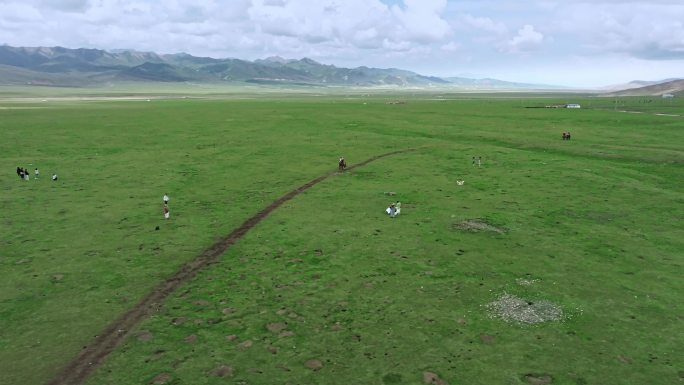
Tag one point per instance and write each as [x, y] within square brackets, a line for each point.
[58, 66]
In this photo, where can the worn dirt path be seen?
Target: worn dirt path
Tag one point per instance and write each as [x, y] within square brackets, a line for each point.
[95, 353]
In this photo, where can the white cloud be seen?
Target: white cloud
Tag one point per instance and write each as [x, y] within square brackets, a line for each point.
[361, 23]
[651, 31]
[484, 24]
[527, 39]
[451, 46]
[420, 20]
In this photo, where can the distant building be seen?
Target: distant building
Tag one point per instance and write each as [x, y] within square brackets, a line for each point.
[573, 105]
[668, 96]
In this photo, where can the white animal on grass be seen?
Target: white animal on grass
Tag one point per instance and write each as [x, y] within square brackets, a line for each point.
[460, 182]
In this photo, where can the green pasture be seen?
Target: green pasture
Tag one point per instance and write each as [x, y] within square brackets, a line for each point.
[593, 225]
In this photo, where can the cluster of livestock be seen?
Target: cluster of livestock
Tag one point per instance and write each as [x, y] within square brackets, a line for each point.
[25, 174]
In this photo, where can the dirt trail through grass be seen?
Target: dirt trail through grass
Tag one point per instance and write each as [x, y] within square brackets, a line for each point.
[94, 354]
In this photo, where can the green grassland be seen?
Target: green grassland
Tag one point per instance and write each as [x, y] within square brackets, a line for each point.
[592, 224]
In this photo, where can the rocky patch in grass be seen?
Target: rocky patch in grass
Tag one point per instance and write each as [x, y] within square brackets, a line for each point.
[514, 309]
[526, 281]
[477, 225]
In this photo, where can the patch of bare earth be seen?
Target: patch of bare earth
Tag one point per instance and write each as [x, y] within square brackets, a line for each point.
[477, 225]
[276, 327]
[222, 371]
[191, 339]
[625, 359]
[538, 379]
[161, 379]
[514, 309]
[314, 365]
[144, 335]
[433, 378]
[487, 339]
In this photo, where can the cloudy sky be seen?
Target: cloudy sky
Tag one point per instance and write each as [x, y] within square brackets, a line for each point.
[576, 43]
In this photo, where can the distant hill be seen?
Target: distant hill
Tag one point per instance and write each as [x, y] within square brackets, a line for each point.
[634, 84]
[675, 87]
[488, 84]
[58, 66]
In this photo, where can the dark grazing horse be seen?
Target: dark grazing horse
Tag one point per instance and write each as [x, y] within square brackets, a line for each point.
[342, 164]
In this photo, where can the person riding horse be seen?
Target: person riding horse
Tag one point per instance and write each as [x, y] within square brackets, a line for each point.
[342, 164]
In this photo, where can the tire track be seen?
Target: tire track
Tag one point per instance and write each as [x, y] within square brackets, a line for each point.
[95, 353]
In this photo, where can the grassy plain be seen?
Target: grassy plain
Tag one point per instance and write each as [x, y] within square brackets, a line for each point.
[593, 224]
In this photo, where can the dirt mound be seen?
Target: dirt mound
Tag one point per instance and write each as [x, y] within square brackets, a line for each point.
[538, 379]
[161, 379]
[477, 225]
[223, 371]
[487, 339]
[191, 339]
[514, 309]
[433, 378]
[314, 365]
[276, 327]
[144, 335]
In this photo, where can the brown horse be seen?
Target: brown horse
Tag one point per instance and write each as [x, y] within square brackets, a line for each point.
[342, 164]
